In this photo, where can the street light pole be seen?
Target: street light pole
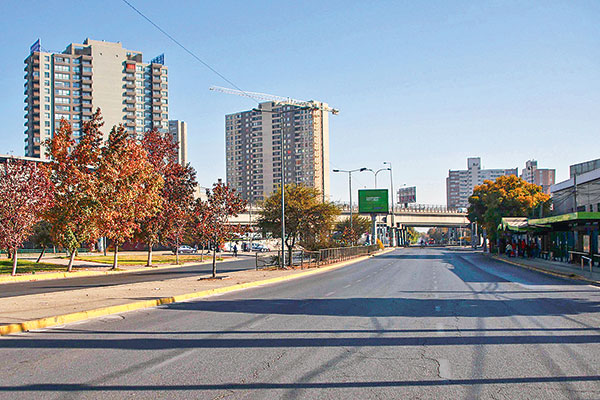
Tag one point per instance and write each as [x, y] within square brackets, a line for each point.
[349, 172]
[393, 195]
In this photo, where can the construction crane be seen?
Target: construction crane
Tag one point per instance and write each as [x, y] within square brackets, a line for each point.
[313, 105]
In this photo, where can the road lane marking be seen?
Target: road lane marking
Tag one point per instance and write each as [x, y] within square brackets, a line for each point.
[444, 370]
[440, 329]
[329, 294]
[347, 286]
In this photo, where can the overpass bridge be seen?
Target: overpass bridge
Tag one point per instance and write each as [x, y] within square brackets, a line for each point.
[415, 215]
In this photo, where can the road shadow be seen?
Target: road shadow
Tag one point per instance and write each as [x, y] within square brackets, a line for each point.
[80, 387]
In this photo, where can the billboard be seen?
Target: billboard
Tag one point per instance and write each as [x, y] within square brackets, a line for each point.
[407, 195]
[373, 201]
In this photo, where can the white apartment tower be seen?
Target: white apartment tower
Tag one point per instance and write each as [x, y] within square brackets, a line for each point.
[255, 152]
[178, 132]
[95, 74]
[460, 183]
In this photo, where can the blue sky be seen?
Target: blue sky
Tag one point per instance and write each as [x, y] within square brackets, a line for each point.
[421, 84]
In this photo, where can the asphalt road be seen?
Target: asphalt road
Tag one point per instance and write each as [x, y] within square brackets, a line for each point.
[59, 285]
[414, 323]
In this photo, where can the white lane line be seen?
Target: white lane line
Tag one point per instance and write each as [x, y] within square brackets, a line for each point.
[347, 286]
[440, 329]
[329, 294]
[444, 371]
[438, 308]
[360, 280]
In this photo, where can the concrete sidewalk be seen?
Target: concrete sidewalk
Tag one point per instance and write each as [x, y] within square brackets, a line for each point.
[556, 268]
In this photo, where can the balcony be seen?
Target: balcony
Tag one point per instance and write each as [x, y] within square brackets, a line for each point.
[155, 71]
[130, 85]
[129, 101]
[129, 77]
[86, 95]
[86, 80]
[156, 117]
[130, 124]
[130, 108]
[86, 73]
[130, 116]
[156, 102]
[156, 95]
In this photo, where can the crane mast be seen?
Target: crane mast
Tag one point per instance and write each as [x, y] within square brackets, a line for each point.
[279, 100]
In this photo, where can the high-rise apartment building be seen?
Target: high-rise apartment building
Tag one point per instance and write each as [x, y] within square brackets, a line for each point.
[255, 151]
[539, 176]
[178, 132]
[460, 183]
[95, 74]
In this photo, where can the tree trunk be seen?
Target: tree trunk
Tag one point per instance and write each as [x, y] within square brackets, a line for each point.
[202, 253]
[290, 263]
[70, 266]
[149, 263]
[177, 255]
[14, 270]
[214, 266]
[41, 255]
[104, 245]
[116, 259]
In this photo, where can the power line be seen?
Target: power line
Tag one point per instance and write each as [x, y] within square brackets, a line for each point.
[188, 50]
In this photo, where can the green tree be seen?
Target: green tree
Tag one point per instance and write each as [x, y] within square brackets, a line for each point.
[42, 237]
[350, 235]
[508, 196]
[307, 218]
[413, 235]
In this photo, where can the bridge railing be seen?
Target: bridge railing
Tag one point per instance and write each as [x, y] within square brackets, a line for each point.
[415, 207]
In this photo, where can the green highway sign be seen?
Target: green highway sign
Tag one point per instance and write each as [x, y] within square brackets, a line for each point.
[373, 201]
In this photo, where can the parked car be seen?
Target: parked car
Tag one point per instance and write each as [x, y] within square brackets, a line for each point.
[260, 248]
[186, 250]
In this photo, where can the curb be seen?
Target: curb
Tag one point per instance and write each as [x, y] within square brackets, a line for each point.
[99, 312]
[80, 274]
[571, 276]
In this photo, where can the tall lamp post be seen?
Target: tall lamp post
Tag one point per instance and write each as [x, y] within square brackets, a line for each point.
[349, 172]
[393, 195]
[374, 216]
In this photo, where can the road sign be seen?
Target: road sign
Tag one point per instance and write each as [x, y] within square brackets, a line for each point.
[373, 201]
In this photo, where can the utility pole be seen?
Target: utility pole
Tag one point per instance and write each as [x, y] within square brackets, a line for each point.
[349, 172]
[393, 242]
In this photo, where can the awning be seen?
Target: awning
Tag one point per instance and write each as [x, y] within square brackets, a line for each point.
[581, 216]
[514, 224]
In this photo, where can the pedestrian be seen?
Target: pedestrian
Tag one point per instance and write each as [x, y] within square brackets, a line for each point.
[508, 249]
[235, 250]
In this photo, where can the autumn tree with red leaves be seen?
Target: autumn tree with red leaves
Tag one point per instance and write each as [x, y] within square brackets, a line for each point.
[73, 172]
[25, 193]
[128, 188]
[210, 220]
[176, 196]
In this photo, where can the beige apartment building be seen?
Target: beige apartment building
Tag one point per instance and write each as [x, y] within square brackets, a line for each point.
[94, 74]
[256, 157]
[543, 177]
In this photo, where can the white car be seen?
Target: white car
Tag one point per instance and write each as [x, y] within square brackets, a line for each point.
[186, 250]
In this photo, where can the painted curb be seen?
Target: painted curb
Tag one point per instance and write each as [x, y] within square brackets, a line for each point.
[572, 276]
[80, 274]
[99, 312]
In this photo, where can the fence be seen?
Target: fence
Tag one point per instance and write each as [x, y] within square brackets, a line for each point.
[308, 259]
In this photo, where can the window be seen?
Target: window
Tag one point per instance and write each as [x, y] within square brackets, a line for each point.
[46, 115]
[46, 74]
[139, 91]
[46, 91]
[63, 108]
[61, 84]
[140, 122]
[62, 68]
[164, 101]
[76, 93]
[139, 113]
[140, 99]
[61, 100]
[166, 116]
[76, 108]
[46, 106]
[62, 76]
[76, 84]
[62, 116]
[46, 83]
[76, 69]
[76, 61]
[47, 98]
[46, 58]
[47, 131]
[139, 76]
[139, 129]
[62, 92]
[76, 116]
[76, 76]
[165, 108]
[86, 86]
[46, 123]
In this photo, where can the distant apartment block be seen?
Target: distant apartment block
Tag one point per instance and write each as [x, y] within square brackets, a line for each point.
[460, 183]
[178, 132]
[254, 153]
[584, 167]
[72, 84]
[538, 176]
